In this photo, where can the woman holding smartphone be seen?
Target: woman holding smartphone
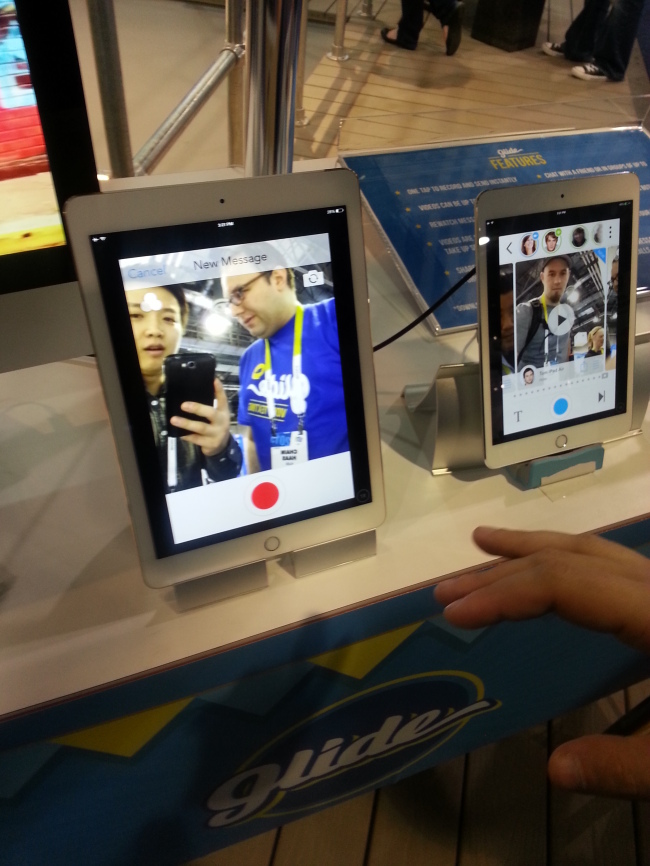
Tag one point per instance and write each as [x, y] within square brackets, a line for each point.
[207, 451]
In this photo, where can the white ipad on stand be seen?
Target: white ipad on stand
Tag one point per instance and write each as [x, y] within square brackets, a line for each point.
[557, 280]
[239, 307]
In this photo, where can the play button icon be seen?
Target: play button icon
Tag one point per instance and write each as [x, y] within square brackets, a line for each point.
[561, 319]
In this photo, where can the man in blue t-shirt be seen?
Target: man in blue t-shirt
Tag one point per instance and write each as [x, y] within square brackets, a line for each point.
[291, 402]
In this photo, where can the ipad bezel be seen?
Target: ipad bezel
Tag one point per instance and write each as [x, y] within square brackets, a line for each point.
[516, 201]
[185, 204]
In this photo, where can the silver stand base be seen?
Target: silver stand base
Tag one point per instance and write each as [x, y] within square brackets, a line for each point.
[300, 563]
[225, 584]
[320, 557]
[455, 423]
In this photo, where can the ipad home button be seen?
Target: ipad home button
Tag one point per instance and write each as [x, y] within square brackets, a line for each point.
[272, 543]
[561, 441]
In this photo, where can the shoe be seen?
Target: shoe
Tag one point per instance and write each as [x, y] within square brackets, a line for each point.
[553, 49]
[401, 43]
[454, 24]
[589, 72]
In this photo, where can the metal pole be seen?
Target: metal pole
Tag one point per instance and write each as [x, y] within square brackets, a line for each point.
[157, 145]
[301, 117]
[338, 46]
[273, 28]
[236, 106]
[111, 87]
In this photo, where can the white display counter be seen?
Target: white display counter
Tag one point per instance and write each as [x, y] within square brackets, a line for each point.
[74, 612]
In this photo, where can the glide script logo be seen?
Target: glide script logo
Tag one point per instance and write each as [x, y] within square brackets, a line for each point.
[513, 157]
[370, 737]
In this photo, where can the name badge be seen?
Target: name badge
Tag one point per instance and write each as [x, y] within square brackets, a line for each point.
[288, 449]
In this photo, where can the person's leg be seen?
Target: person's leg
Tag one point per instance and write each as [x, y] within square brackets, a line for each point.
[580, 39]
[442, 9]
[616, 40]
[407, 32]
[450, 14]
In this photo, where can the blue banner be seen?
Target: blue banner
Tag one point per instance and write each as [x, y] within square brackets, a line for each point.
[175, 782]
[424, 200]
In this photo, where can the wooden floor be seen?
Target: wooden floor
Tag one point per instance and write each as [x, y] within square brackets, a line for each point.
[385, 97]
[380, 97]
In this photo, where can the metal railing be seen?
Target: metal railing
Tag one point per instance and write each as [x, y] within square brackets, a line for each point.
[235, 39]
[153, 150]
[338, 51]
[111, 88]
[271, 103]
[300, 114]
[272, 31]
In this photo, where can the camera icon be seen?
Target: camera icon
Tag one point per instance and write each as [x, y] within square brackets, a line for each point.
[313, 278]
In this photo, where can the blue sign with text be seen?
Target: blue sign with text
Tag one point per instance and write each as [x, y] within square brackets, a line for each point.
[424, 200]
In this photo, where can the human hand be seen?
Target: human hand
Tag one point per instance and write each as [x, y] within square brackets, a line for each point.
[212, 434]
[590, 582]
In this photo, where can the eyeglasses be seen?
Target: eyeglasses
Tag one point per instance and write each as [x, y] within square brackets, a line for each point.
[239, 293]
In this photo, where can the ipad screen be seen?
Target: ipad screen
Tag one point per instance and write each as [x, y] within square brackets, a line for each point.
[244, 329]
[558, 318]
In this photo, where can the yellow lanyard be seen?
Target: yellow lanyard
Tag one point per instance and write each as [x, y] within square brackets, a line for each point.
[297, 404]
[543, 300]
[546, 331]
[297, 341]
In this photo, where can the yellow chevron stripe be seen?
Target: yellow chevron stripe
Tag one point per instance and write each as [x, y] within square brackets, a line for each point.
[124, 737]
[358, 659]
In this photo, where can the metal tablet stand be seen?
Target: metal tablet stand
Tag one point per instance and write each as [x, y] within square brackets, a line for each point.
[254, 576]
[320, 557]
[450, 406]
[453, 403]
[223, 584]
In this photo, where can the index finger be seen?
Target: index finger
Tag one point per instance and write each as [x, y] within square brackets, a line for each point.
[512, 543]
[585, 590]
[219, 392]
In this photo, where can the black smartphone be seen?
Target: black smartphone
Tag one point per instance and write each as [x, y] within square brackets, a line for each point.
[188, 377]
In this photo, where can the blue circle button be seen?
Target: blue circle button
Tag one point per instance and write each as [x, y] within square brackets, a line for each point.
[560, 406]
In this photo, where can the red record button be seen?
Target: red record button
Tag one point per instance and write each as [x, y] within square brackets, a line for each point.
[265, 495]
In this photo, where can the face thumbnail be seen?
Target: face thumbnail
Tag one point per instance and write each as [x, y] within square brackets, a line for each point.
[579, 237]
[157, 327]
[551, 242]
[528, 245]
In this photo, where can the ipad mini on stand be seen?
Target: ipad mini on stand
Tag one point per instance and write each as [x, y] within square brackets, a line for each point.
[197, 269]
[556, 272]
